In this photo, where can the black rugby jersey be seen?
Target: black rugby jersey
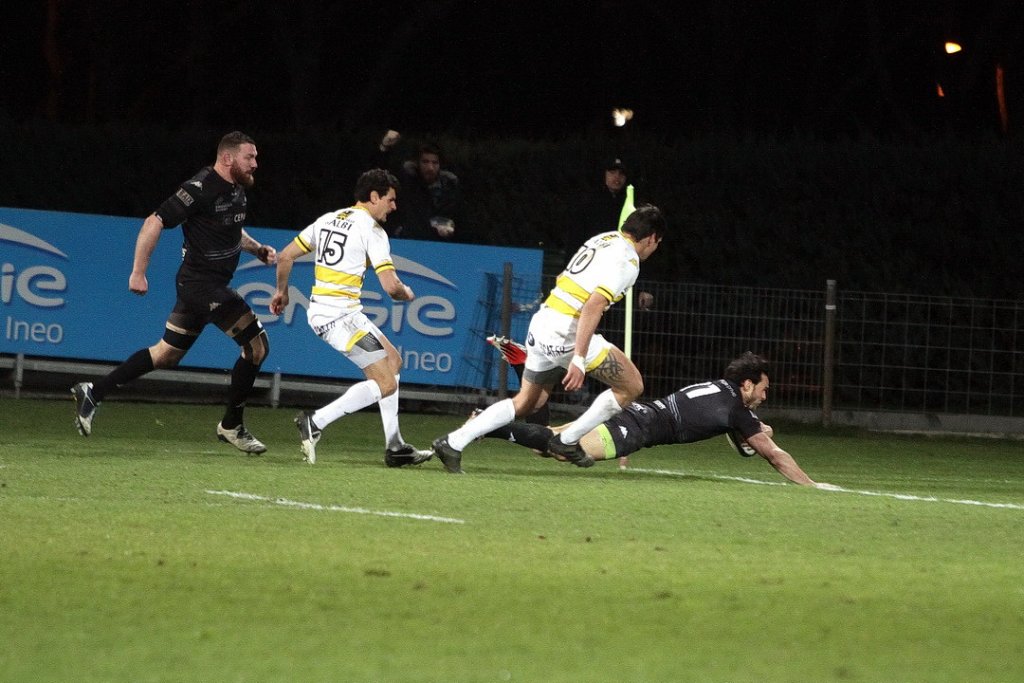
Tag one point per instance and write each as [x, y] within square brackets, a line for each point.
[694, 413]
[211, 211]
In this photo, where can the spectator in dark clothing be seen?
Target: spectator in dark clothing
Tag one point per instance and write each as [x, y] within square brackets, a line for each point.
[430, 202]
[600, 210]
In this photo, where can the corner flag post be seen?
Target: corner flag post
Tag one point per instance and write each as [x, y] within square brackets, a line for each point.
[628, 207]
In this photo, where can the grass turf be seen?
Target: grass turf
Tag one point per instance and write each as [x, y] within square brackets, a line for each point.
[122, 558]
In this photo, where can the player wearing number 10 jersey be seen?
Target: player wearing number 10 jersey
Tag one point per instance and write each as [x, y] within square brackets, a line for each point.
[343, 243]
[563, 338]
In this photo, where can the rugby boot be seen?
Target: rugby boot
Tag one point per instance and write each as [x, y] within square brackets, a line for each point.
[449, 457]
[309, 434]
[406, 454]
[85, 407]
[241, 438]
[571, 452]
[514, 353]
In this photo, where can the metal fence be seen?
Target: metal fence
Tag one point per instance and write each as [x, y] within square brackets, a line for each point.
[891, 352]
[693, 331]
[930, 354]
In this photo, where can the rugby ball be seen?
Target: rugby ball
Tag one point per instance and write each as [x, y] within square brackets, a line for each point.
[739, 443]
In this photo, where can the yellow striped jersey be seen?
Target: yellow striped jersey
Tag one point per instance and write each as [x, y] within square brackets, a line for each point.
[606, 264]
[344, 243]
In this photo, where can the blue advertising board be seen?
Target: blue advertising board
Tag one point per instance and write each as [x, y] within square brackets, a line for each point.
[64, 294]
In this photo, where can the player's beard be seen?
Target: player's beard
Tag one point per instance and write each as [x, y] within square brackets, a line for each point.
[241, 177]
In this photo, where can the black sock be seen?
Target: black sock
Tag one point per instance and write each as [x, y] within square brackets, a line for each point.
[530, 435]
[243, 376]
[504, 433]
[137, 365]
[542, 416]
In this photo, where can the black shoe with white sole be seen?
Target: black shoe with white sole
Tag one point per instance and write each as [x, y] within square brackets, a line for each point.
[406, 454]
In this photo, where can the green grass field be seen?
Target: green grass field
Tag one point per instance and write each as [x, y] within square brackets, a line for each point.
[151, 552]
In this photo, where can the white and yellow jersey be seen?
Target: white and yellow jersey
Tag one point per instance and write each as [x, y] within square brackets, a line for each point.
[606, 264]
[344, 242]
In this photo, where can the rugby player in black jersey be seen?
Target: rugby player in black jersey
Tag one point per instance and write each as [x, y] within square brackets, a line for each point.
[694, 413]
[211, 207]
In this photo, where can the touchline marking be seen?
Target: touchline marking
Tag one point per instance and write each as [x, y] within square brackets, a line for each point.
[840, 489]
[676, 473]
[333, 508]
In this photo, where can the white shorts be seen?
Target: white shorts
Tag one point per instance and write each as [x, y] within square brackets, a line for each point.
[551, 344]
[352, 335]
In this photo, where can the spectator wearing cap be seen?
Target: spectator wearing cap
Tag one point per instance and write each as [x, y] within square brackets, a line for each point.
[600, 208]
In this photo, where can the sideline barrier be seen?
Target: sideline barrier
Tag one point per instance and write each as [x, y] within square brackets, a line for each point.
[64, 294]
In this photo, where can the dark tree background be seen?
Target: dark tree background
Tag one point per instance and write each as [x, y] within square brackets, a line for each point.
[810, 138]
[524, 68]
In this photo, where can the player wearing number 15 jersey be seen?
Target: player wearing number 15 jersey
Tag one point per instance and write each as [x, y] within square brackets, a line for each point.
[343, 243]
[563, 338]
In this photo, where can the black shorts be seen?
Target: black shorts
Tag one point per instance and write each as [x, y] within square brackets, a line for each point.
[198, 304]
[621, 435]
[639, 425]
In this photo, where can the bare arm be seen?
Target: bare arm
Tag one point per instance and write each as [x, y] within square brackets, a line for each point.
[395, 288]
[285, 260]
[263, 252]
[590, 316]
[145, 243]
[779, 459]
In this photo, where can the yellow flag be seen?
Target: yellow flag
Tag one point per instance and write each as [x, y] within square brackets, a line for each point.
[627, 206]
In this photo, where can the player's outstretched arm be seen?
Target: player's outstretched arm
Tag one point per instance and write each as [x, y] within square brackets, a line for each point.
[779, 459]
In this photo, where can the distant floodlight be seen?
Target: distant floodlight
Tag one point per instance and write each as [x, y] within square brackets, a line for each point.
[621, 116]
[952, 48]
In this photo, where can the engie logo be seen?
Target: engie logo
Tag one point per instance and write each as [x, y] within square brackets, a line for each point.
[63, 294]
[35, 285]
[429, 315]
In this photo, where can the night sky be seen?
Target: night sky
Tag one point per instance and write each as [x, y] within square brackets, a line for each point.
[530, 69]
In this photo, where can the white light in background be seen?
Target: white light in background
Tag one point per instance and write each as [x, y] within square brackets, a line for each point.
[621, 116]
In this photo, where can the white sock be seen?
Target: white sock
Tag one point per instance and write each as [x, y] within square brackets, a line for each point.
[389, 419]
[357, 397]
[497, 415]
[603, 407]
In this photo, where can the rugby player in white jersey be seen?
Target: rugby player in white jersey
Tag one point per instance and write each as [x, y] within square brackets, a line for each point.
[344, 242]
[562, 342]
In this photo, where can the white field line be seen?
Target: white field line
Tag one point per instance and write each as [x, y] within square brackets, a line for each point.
[840, 489]
[334, 508]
